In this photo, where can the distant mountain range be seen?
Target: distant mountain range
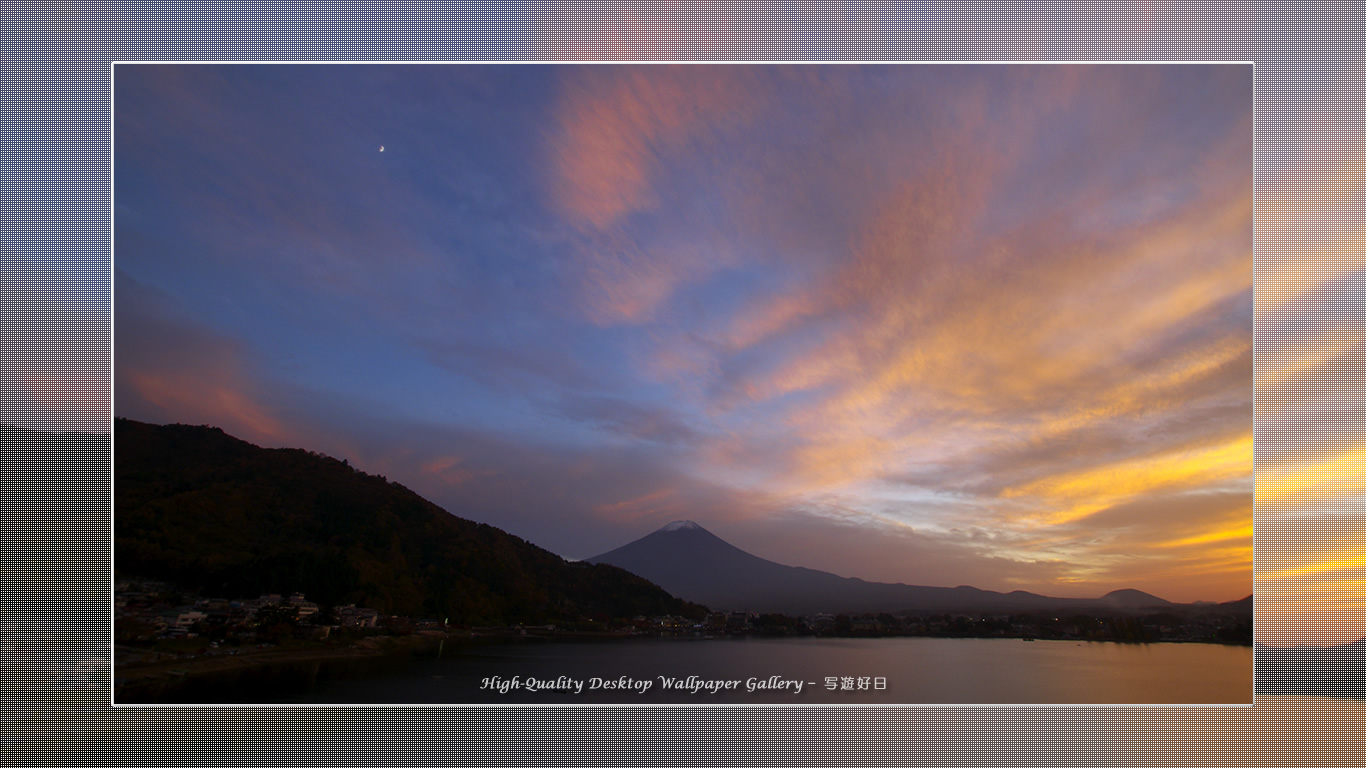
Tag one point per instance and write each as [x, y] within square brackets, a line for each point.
[205, 510]
[690, 562]
[208, 512]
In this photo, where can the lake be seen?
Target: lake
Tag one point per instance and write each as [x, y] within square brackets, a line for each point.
[877, 671]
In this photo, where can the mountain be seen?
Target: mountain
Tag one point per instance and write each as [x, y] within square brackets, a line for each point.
[54, 511]
[1133, 599]
[690, 562]
[202, 509]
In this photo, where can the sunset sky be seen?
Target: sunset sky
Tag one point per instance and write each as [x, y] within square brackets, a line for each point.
[955, 324]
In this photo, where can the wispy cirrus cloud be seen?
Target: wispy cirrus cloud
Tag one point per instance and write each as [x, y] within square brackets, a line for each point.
[623, 142]
[957, 319]
[962, 324]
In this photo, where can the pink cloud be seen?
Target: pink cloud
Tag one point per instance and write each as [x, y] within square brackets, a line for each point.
[169, 368]
[620, 133]
[452, 470]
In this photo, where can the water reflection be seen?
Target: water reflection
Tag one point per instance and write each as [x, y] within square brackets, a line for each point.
[888, 671]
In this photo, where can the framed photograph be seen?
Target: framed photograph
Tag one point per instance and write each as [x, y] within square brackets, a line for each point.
[961, 355]
[406, 355]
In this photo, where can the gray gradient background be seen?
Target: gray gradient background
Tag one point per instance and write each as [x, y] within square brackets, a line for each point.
[54, 218]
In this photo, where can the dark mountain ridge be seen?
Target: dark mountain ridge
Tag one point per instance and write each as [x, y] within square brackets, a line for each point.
[694, 564]
[200, 508]
[54, 482]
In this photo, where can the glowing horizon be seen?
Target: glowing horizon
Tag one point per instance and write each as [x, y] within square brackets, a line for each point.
[983, 325]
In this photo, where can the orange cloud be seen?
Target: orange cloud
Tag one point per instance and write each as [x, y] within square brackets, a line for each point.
[450, 470]
[206, 399]
[1352, 563]
[73, 399]
[1241, 532]
[1073, 496]
[1315, 480]
[1089, 356]
[1309, 356]
[980, 348]
[169, 368]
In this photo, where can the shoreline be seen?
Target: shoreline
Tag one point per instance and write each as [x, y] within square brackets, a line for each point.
[143, 676]
[290, 675]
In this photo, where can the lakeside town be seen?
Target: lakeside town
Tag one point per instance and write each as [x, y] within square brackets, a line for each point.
[291, 600]
[153, 612]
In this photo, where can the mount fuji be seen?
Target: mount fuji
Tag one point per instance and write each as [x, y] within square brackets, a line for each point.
[694, 564]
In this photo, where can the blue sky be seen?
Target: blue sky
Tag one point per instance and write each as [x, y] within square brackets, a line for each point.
[930, 324]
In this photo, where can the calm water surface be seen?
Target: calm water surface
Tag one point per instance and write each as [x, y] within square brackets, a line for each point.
[915, 670]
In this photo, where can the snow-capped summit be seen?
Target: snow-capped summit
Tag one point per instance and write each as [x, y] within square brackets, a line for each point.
[694, 564]
[681, 525]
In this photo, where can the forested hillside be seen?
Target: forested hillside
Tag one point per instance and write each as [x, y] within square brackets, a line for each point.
[213, 513]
